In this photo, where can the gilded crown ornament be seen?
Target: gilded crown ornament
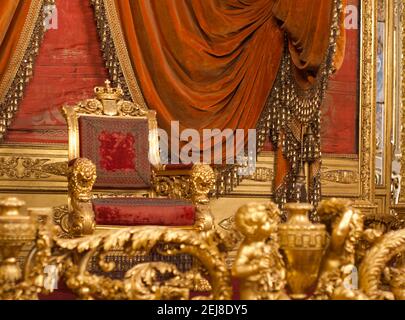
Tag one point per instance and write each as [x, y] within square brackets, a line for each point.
[108, 92]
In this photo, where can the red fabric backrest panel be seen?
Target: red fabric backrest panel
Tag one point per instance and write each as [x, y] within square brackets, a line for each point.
[119, 148]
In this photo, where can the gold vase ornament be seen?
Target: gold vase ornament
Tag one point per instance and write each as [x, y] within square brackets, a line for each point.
[302, 244]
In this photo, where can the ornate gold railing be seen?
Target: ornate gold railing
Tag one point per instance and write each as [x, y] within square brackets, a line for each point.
[337, 259]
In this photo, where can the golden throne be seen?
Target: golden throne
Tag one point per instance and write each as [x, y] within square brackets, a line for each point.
[115, 176]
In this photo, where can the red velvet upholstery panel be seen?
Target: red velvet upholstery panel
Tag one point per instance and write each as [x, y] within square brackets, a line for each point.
[143, 211]
[119, 148]
[180, 166]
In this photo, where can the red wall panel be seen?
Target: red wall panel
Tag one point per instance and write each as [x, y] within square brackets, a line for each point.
[339, 126]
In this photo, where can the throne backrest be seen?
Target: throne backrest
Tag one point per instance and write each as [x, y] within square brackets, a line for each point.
[118, 136]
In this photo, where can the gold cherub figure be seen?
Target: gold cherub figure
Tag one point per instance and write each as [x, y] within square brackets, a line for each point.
[258, 263]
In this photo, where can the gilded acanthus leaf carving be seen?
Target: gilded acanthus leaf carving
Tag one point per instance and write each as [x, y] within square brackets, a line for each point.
[16, 167]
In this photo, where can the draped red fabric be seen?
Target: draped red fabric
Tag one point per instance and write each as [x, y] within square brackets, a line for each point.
[212, 63]
[13, 14]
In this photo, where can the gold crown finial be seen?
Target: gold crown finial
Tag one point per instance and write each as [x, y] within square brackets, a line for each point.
[108, 92]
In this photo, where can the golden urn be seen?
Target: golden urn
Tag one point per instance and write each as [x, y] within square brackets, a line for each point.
[302, 244]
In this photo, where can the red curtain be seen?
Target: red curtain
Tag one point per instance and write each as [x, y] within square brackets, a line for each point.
[212, 63]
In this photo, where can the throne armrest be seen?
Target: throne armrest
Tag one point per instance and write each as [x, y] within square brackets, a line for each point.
[81, 176]
[193, 182]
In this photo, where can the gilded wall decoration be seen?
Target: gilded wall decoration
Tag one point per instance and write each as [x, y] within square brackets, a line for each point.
[28, 168]
[340, 176]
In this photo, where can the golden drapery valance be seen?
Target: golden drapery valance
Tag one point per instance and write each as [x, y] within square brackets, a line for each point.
[21, 30]
[212, 64]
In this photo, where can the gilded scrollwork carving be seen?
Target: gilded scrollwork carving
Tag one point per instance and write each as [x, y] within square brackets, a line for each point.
[56, 168]
[340, 176]
[204, 218]
[376, 262]
[142, 281]
[267, 260]
[15, 167]
[61, 220]
[127, 108]
[173, 186]
[397, 282]
[90, 106]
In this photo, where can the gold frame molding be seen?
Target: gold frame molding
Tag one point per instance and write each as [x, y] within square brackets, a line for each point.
[400, 207]
[367, 105]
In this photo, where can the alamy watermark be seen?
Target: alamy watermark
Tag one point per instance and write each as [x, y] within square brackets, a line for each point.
[51, 277]
[213, 146]
[351, 281]
[51, 17]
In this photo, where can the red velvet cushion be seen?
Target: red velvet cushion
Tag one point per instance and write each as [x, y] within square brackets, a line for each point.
[143, 211]
[119, 149]
[180, 166]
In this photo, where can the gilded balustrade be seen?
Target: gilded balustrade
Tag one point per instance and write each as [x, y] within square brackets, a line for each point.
[297, 259]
